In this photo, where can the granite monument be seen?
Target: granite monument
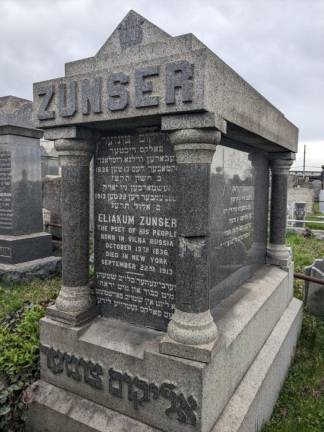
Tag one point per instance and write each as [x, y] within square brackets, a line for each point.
[192, 323]
[24, 248]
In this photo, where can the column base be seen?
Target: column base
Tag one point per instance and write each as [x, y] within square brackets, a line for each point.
[279, 255]
[74, 299]
[200, 353]
[191, 336]
[73, 319]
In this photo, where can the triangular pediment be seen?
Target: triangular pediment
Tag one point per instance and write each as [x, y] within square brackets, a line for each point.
[134, 30]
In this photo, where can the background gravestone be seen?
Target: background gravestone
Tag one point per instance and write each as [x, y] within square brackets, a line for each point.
[49, 159]
[321, 201]
[22, 238]
[299, 213]
[315, 292]
[317, 186]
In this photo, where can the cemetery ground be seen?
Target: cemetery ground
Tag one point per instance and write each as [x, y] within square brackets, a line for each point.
[315, 216]
[300, 407]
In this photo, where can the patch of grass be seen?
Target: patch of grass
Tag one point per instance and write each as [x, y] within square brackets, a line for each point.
[13, 296]
[21, 307]
[314, 225]
[19, 366]
[300, 407]
[305, 250]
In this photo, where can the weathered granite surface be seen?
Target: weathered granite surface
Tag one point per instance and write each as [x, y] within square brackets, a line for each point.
[15, 111]
[135, 227]
[118, 366]
[239, 217]
[101, 88]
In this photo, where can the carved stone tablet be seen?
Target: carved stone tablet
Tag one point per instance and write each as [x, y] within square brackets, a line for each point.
[5, 191]
[135, 226]
[238, 218]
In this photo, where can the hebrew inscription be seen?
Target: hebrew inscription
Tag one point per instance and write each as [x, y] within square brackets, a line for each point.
[5, 191]
[136, 225]
[238, 218]
[123, 385]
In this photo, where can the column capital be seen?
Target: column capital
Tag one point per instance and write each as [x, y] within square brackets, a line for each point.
[195, 145]
[257, 157]
[71, 132]
[74, 145]
[280, 163]
[74, 151]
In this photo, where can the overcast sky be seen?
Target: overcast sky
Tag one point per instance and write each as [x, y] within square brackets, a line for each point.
[276, 45]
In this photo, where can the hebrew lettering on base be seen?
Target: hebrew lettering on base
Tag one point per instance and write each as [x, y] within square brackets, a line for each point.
[123, 385]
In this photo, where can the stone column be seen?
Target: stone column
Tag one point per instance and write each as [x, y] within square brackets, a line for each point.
[74, 304]
[278, 253]
[192, 323]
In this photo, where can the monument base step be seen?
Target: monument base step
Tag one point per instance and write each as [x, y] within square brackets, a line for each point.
[57, 410]
[42, 268]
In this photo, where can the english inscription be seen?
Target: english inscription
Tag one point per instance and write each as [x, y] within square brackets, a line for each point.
[136, 224]
[5, 191]
[123, 385]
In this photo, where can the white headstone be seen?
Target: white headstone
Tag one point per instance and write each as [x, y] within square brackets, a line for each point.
[321, 201]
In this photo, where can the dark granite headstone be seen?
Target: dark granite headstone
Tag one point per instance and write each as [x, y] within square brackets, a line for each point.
[300, 213]
[5, 189]
[238, 218]
[21, 222]
[135, 226]
[136, 216]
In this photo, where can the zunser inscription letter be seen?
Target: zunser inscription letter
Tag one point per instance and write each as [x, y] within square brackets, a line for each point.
[116, 91]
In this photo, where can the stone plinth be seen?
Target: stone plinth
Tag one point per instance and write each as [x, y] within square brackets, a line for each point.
[126, 383]
[22, 239]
